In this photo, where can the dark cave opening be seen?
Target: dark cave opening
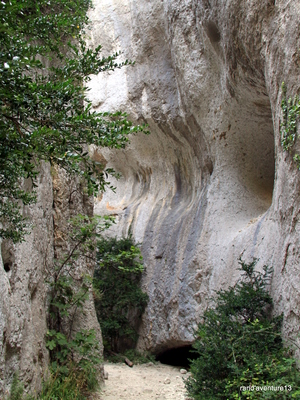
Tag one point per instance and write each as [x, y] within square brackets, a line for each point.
[6, 267]
[7, 254]
[177, 357]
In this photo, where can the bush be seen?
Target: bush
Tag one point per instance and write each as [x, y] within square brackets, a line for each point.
[121, 301]
[239, 344]
[74, 385]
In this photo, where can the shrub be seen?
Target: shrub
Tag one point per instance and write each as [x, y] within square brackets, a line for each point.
[16, 389]
[238, 344]
[74, 385]
[74, 354]
[122, 302]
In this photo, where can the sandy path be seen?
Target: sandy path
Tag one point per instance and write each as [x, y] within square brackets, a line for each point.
[143, 382]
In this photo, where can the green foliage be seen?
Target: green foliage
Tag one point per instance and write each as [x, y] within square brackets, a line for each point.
[16, 390]
[116, 278]
[74, 354]
[59, 386]
[291, 112]
[76, 385]
[44, 112]
[45, 115]
[82, 347]
[238, 344]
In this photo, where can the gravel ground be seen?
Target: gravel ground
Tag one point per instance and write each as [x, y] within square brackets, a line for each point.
[143, 382]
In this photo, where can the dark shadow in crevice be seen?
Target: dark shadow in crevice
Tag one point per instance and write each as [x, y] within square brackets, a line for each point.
[7, 267]
[7, 255]
[178, 357]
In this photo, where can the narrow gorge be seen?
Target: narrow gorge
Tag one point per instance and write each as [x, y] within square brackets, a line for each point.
[209, 184]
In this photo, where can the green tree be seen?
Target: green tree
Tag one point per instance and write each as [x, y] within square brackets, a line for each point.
[117, 280]
[239, 343]
[45, 114]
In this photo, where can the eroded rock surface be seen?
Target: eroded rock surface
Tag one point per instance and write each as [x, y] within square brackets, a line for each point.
[25, 272]
[211, 183]
[24, 294]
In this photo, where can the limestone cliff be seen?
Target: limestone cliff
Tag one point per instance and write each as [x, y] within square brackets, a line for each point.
[211, 183]
[23, 294]
[25, 273]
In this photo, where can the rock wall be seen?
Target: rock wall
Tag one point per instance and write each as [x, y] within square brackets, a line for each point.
[23, 294]
[69, 200]
[25, 272]
[211, 183]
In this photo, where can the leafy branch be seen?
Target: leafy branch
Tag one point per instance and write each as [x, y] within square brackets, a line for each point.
[69, 290]
[45, 114]
[290, 118]
[121, 302]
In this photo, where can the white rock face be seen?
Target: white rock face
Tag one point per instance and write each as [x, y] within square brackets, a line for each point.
[211, 183]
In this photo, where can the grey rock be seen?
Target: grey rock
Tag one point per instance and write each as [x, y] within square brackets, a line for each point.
[183, 371]
[211, 183]
[149, 364]
[23, 281]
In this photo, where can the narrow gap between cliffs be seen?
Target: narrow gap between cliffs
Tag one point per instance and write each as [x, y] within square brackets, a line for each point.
[177, 357]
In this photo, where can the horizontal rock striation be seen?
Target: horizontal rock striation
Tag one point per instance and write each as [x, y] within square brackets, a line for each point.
[211, 183]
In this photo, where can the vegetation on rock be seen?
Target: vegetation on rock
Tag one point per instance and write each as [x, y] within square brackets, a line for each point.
[291, 113]
[45, 116]
[74, 352]
[239, 347]
[58, 387]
